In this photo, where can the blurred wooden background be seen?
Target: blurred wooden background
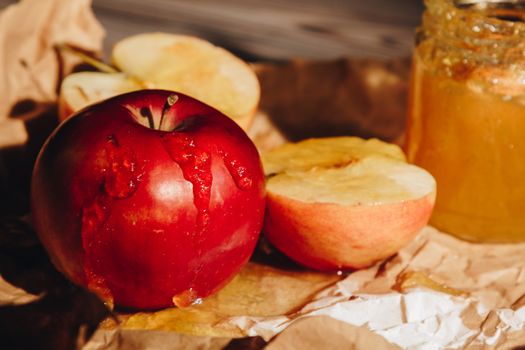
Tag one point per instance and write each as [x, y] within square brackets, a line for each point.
[272, 29]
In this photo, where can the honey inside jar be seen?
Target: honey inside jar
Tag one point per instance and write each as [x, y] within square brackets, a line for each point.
[466, 118]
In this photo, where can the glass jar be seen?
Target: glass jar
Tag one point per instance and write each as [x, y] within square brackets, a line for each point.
[466, 118]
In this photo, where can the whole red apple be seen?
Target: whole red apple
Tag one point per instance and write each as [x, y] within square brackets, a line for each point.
[149, 199]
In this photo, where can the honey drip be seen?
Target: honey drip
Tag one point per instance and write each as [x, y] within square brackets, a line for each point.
[121, 176]
[195, 164]
[239, 172]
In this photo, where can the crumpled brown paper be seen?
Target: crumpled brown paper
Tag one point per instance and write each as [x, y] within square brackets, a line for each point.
[492, 277]
[322, 332]
[30, 67]
[489, 313]
[466, 295]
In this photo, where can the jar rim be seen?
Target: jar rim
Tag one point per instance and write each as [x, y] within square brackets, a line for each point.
[480, 23]
[475, 44]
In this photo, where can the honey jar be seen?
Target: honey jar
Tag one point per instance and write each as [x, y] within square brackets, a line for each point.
[466, 117]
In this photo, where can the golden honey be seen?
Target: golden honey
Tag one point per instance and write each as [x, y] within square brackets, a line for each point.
[466, 118]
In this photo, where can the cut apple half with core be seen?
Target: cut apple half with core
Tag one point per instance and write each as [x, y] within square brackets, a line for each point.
[325, 152]
[180, 63]
[328, 211]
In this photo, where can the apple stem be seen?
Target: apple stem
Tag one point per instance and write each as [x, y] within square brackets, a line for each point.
[146, 113]
[170, 101]
[101, 66]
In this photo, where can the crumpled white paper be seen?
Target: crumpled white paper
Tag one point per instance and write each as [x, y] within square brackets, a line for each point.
[487, 316]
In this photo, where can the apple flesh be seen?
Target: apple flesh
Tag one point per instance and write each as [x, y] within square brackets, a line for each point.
[150, 199]
[79, 90]
[181, 63]
[344, 203]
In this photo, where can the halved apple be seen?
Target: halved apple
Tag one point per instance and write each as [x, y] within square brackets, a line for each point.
[185, 64]
[341, 203]
[81, 89]
[325, 152]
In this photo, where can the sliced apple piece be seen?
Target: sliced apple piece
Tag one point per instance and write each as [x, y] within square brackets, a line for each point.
[81, 89]
[185, 64]
[329, 215]
[191, 66]
[325, 152]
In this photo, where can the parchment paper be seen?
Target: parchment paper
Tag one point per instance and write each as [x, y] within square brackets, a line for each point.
[438, 292]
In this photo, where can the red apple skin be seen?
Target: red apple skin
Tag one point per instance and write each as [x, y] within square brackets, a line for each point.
[330, 236]
[148, 218]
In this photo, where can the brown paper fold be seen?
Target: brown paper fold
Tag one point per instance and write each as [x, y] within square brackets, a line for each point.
[322, 332]
[30, 67]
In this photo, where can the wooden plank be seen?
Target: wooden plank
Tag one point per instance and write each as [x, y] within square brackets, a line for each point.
[272, 29]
